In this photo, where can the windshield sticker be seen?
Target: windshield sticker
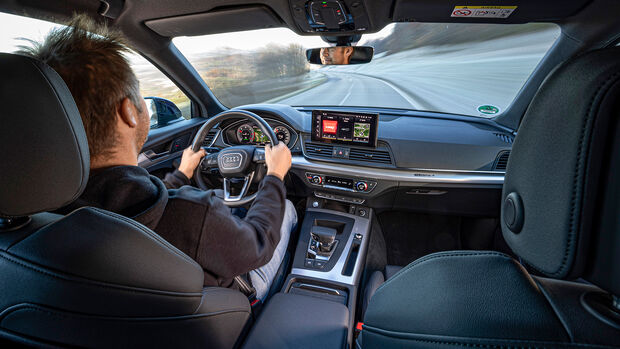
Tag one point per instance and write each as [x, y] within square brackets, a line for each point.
[488, 109]
[483, 11]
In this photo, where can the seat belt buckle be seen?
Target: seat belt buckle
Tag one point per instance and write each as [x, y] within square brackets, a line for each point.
[358, 327]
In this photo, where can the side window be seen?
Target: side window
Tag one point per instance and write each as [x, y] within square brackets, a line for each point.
[164, 100]
[167, 98]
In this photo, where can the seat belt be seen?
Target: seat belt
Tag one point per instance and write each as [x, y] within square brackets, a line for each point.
[246, 288]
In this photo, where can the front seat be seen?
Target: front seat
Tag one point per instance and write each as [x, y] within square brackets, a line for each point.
[560, 215]
[91, 278]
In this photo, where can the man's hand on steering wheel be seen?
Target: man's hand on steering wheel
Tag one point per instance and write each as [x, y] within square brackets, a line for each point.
[190, 160]
[278, 160]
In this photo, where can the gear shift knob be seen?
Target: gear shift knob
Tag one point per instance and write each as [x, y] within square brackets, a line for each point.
[325, 236]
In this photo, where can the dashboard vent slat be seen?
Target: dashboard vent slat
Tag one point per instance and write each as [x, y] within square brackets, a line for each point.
[209, 138]
[502, 161]
[379, 156]
[319, 150]
[506, 138]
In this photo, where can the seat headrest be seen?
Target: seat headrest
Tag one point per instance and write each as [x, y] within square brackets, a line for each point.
[562, 178]
[44, 159]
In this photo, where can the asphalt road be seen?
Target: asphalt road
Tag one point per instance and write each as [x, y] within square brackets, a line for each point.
[453, 79]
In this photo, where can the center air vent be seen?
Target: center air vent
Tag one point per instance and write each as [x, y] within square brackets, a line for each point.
[501, 161]
[319, 150]
[370, 156]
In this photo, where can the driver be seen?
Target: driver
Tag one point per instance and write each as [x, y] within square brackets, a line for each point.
[116, 120]
[338, 55]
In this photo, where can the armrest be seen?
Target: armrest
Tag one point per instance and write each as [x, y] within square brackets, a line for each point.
[297, 321]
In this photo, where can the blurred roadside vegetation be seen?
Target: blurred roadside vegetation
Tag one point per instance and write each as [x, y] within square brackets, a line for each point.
[235, 77]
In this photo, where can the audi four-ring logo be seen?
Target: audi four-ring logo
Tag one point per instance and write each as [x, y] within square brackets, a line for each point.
[230, 161]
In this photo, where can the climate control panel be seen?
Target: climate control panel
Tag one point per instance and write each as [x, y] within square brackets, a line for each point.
[357, 185]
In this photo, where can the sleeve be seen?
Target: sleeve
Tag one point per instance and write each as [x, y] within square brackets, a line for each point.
[227, 245]
[175, 180]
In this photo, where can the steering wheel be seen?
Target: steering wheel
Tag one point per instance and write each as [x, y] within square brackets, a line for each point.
[233, 162]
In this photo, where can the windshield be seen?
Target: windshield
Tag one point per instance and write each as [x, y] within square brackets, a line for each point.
[471, 69]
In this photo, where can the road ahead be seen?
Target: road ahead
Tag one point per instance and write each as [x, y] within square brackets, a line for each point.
[454, 79]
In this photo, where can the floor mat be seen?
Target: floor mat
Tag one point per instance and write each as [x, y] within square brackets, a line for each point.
[409, 236]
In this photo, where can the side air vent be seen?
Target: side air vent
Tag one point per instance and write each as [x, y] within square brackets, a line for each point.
[319, 150]
[506, 138]
[209, 138]
[501, 161]
[379, 156]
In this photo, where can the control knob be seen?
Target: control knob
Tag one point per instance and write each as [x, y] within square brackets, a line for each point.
[317, 179]
[361, 186]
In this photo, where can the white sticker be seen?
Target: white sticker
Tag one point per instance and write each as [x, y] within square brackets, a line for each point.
[483, 11]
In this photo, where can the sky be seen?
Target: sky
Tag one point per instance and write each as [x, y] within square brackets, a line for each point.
[13, 27]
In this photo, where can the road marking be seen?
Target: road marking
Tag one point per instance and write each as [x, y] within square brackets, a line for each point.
[349, 92]
[403, 94]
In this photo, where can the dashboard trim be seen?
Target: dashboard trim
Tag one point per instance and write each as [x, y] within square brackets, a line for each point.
[401, 175]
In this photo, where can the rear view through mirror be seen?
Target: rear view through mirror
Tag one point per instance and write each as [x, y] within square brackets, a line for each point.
[340, 55]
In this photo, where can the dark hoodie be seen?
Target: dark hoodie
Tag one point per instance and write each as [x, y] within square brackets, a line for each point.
[195, 221]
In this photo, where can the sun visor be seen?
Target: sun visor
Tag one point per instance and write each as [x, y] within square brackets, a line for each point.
[485, 11]
[216, 21]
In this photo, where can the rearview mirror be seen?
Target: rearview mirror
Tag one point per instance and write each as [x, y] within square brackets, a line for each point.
[340, 55]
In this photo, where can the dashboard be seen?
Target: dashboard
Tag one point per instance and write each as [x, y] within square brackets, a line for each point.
[385, 159]
[244, 133]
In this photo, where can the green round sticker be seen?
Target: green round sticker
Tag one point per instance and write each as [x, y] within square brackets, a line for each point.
[488, 109]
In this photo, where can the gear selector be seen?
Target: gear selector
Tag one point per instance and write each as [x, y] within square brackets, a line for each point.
[325, 237]
[321, 246]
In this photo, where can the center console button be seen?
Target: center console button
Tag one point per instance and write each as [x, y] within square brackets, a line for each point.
[319, 264]
[309, 263]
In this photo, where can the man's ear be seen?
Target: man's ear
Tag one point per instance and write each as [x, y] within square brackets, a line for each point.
[348, 51]
[128, 113]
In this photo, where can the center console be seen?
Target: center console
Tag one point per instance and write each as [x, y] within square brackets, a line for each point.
[331, 246]
[316, 306]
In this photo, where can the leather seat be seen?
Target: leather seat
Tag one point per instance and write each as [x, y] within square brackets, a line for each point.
[91, 278]
[376, 279]
[561, 203]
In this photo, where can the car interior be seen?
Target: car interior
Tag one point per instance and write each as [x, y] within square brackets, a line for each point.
[418, 227]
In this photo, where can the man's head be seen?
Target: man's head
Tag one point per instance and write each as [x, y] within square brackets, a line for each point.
[336, 55]
[90, 59]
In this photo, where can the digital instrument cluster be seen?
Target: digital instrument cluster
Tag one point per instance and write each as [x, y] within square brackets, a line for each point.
[250, 133]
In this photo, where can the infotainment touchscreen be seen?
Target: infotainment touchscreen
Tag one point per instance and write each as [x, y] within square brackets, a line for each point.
[345, 128]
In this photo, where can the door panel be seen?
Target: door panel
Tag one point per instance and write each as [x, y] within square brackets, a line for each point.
[163, 149]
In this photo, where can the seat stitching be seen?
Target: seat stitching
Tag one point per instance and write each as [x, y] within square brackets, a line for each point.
[81, 280]
[439, 255]
[529, 343]
[63, 314]
[576, 179]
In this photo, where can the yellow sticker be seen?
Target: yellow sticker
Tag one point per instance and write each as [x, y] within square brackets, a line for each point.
[483, 11]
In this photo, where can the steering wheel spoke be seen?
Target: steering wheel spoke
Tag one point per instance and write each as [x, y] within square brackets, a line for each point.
[259, 156]
[209, 162]
[247, 181]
